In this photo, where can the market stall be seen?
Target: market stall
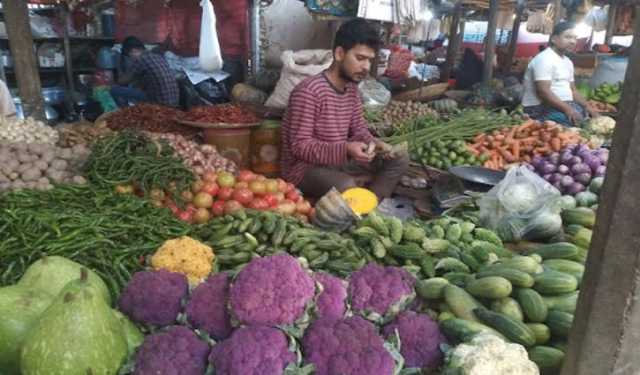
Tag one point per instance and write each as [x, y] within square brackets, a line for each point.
[162, 240]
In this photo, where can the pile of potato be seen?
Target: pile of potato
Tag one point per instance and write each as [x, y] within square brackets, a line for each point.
[40, 166]
[398, 112]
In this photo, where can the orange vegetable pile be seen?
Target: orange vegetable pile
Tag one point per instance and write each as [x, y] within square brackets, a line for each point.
[521, 143]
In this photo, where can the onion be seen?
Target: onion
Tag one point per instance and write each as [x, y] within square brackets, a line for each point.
[537, 162]
[566, 157]
[575, 188]
[558, 186]
[593, 162]
[580, 168]
[566, 181]
[547, 177]
[548, 168]
[554, 158]
[581, 149]
[601, 171]
[563, 169]
[583, 178]
[574, 160]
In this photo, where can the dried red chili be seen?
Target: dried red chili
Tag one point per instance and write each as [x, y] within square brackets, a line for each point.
[150, 117]
[224, 113]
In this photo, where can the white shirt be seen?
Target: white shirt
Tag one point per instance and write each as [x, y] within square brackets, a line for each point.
[7, 107]
[548, 66]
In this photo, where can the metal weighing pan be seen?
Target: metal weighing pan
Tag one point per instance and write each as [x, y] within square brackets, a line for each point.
[478, 175]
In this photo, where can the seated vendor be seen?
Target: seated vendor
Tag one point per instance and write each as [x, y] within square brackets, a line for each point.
[549, 88]
[325, 136]
[149, 70]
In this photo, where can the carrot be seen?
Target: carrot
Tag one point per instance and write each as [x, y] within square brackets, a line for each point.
[506, 155]
[556, 144]
[499, 137]
[529, 140]
[515, 149]
[526, 125]
[479, 138]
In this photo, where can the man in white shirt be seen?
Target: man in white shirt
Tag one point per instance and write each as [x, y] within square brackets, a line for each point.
[549, 88]
[7, 107]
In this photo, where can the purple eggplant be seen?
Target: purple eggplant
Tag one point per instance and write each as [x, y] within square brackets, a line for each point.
[575, 188]
[563, 169]
[601, 171]
[574, 160]
[566, 157]
[554, 158]
[548, 168]
[547, 177]
[583, 178]
[566, 181]
[580, 168]
[558, 186]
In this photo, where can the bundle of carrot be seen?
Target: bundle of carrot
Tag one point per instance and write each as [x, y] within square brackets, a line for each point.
[521, 143]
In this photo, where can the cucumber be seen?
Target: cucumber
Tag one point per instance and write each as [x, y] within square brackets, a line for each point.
[493, 248]
[487, 235]
[460, 330]
[460, 302]
[533, 306]
[563, 302]
[516, 277]
[553, 283]
[559, 250]
[446, 315]
[541, 331]
[457, 278]
[509, 307]
[408, 251]
[512, 329]
[470, 261]
[536, 257]
[546, 357]
[493, 287]
[569, 267]
[559, 323]
[581, 257]
[431, 288]
[522, 263]
[481, 254]
[450, 264]
[579, 216]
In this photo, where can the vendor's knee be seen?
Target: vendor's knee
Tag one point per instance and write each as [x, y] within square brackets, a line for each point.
[345, 183]
[400, 164]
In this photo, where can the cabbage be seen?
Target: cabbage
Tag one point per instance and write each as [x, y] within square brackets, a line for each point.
[520, 197]
[543, 226]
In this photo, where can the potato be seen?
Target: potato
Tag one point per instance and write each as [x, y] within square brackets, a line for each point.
[41, 165]
[5, 186]
[23, 157]
[59, 164]
[31, 174]
[18, 185]
[48, 156]
[23, 167]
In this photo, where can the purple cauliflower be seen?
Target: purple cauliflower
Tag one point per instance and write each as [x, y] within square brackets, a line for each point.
[274, 290]
[377, 292]
[252, 350]
[177, 351]
[154, 297]
[331, 303]
[207, 308]
[348, 346]
[420, 340]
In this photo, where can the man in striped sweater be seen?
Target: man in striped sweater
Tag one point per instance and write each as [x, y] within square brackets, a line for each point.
[325, 136]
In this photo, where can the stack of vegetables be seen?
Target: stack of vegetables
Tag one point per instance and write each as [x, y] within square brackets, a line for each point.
[522, 143]
[396, 115]
[599, 130]
[607, 93]
[572, 169]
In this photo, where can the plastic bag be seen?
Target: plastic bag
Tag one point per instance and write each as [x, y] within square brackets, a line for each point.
[523, 206]
[374, 94]
[210, 56]
[297, 66]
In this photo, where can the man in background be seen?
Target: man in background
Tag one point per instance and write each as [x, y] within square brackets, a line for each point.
[151, 72]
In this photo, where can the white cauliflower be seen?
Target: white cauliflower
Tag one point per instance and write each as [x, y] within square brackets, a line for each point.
[488, 354]
[602, 125]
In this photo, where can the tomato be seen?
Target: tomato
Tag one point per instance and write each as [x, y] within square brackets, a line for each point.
[185, 216]
[197, 186]
[157, 203]
[241, 185]
[210, 176]
[279, 196]
[303, 207]
[260, 177]
[290, 187]
[232, 206]
[210, 188]
[271, 186]
[156, 194]
[282, 185]
[124, 189]
[202, 200]
[301, 217]
[217, 209]
[191, 208]
[271, 200]
[225, 193]
[246, 176]
[171, 205]
[187, 196]
[243, 195]
[259, 204]
[294, 196]
[258, 187]
[286, 208]
[201, 216]
[312, 212]
[226, 179]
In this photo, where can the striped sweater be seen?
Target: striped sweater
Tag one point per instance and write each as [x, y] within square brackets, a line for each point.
[319, 122]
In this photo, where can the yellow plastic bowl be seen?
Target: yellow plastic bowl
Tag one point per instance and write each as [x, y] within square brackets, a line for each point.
[361, 201]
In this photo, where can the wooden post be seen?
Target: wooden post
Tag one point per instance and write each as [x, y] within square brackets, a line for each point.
[513, 42]
[611, 22]
[66, 17]
[490, 45]
[454, 45]
[24, 57]
[461, 34]
[605, 338]
[559, 12]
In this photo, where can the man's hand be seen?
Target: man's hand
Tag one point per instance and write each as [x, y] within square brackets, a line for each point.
[592, 112]
[358, 152]
[573, 116]
[384, 149]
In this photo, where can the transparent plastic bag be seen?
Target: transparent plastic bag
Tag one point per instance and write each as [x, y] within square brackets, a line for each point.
[374, 94]
[523, 206]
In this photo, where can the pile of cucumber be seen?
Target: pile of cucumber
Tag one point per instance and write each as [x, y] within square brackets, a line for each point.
[526, 299]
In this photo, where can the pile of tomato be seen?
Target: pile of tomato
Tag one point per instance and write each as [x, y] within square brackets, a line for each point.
[222, 193]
